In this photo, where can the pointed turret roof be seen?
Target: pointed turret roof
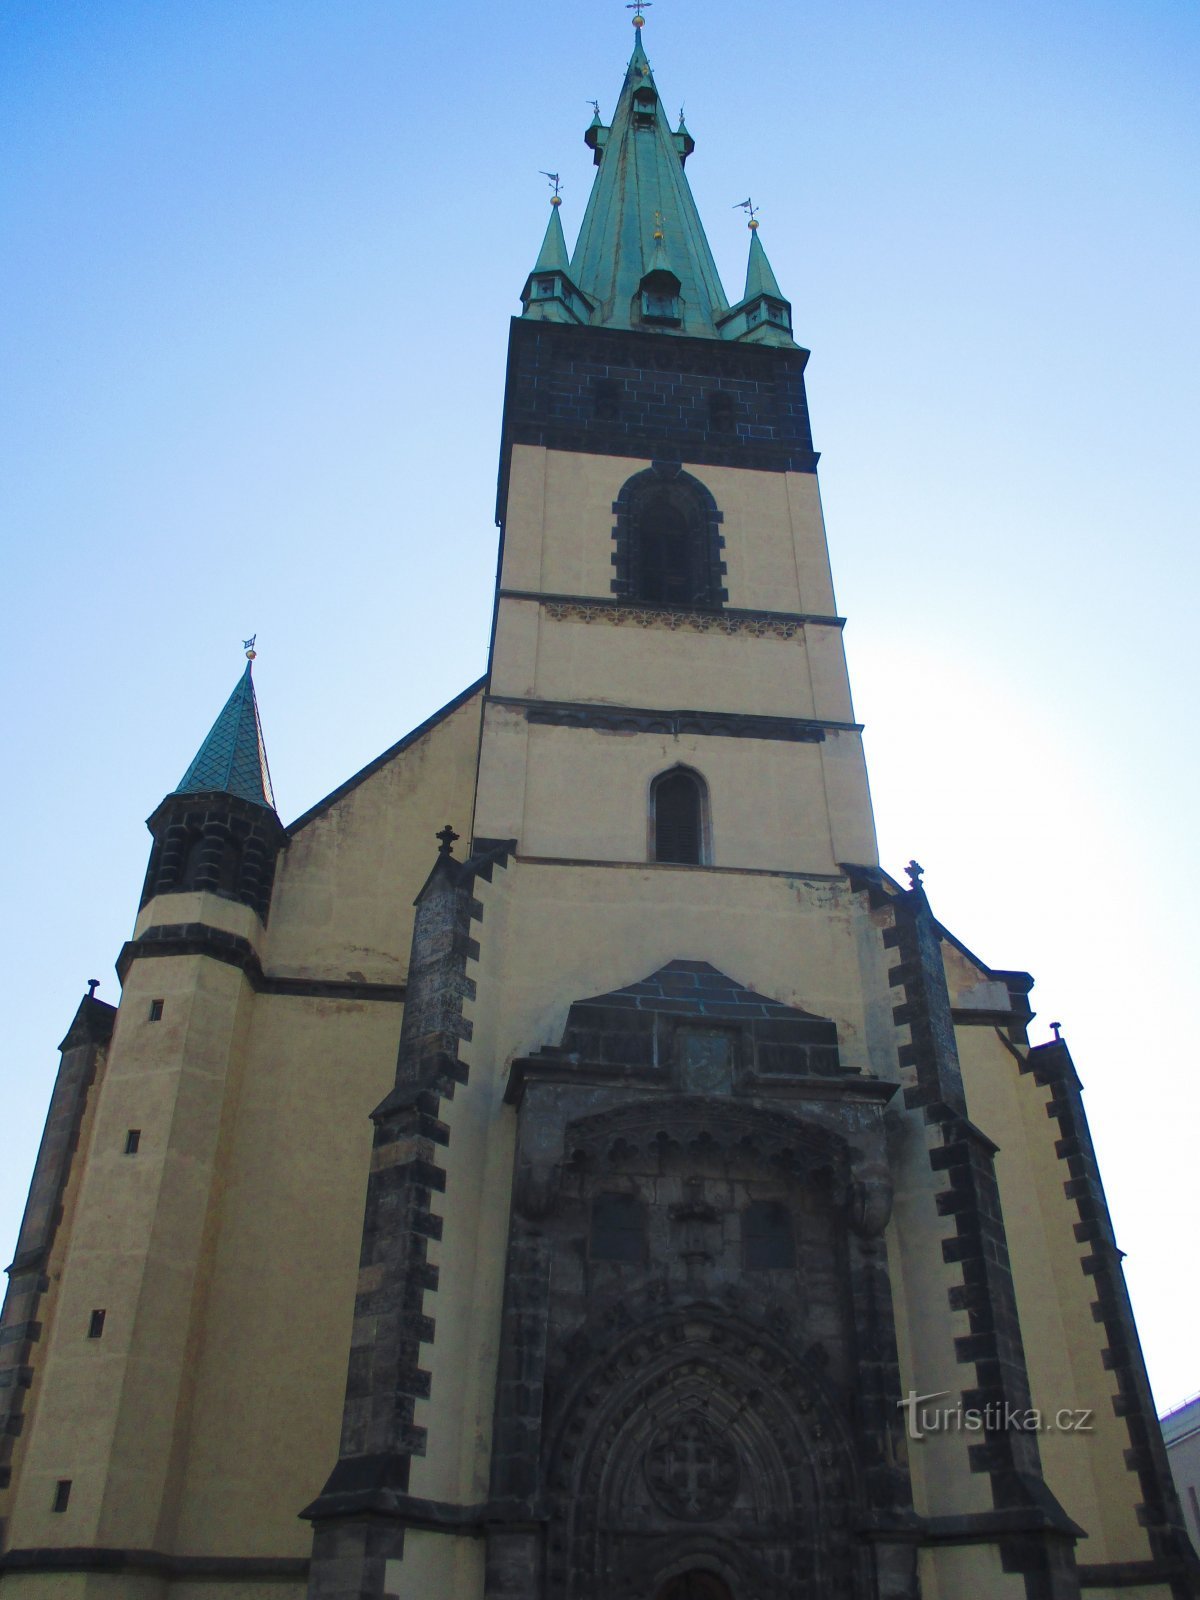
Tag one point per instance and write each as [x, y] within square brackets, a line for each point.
[553, 257]
[759, 277]
[640, 187]
[233, 758]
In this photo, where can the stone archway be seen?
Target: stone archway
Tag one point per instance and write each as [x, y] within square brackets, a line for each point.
[700, 1461]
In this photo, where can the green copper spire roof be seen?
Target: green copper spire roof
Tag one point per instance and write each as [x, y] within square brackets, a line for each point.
[759, 277]
[233, 759]
[553, 255]
[639, 189]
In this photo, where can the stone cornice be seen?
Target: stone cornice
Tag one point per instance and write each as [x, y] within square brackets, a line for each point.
[199, 939]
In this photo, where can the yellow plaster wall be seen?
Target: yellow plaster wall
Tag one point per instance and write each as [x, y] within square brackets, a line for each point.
[342, 902]
[137, 1250]
[585, 794]
[559, 521]
[627, 663]
[1063, 1342]
[214, 910]
[271, 1370]
[47, 1309]
[950, 1572]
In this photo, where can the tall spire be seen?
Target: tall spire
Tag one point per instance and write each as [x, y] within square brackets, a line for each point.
[233, 758]
[639, 191]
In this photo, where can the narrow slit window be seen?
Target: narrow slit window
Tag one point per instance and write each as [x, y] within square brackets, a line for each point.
[132, 1139]
[96, 1325]
[62, 1494]
[677, 801]
[156, 1010]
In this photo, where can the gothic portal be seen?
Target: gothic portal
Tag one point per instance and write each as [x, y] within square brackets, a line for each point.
[563, 1164]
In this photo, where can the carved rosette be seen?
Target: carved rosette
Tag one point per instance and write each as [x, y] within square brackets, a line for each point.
[692, 1471]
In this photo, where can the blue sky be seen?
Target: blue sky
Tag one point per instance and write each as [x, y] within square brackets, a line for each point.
[255, 287]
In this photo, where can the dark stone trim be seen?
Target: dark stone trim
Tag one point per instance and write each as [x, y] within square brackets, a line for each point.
[100, 1558]
[359, 1516]
[1042, 1554]
[810, 619]
[798, 874]
[641, 719]
[988, 1527]
[215, 843]
[1174, 1558]
[1129, 1575]
[410, 1511]
[964, 1017]
[372, 767]
[200, 939]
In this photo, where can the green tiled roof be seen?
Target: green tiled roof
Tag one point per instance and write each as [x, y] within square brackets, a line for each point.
[233, 758]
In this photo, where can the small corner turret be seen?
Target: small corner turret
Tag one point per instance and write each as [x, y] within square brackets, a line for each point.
[762, 315]
[550, 294]
[218, 830]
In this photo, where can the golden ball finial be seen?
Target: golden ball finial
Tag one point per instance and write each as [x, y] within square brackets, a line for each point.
[639, 20]
[251, 655]
[555, 200]
[753, 224]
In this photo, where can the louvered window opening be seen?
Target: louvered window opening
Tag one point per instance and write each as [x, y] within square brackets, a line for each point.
[678, 820]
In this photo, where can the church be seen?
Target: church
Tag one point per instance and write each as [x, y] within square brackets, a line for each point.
[563, 1164]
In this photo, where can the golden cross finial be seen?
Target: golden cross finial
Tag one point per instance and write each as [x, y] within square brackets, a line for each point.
[638, 7]
[658, 225]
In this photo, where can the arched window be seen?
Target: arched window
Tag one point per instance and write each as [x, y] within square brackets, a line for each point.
[668, 541]
[228, 864]
[618, 1229]
[767, 1240]
[677, 820]
[192, 862]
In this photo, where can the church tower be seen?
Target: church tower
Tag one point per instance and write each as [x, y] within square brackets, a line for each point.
[568, 1167]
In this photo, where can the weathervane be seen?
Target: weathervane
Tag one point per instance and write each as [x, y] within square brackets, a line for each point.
[553, 176]
[248, 647]
[748, 206]
[638, 7]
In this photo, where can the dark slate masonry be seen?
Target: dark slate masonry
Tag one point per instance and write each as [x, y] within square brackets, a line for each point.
[610, 391]
[635, 1026]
